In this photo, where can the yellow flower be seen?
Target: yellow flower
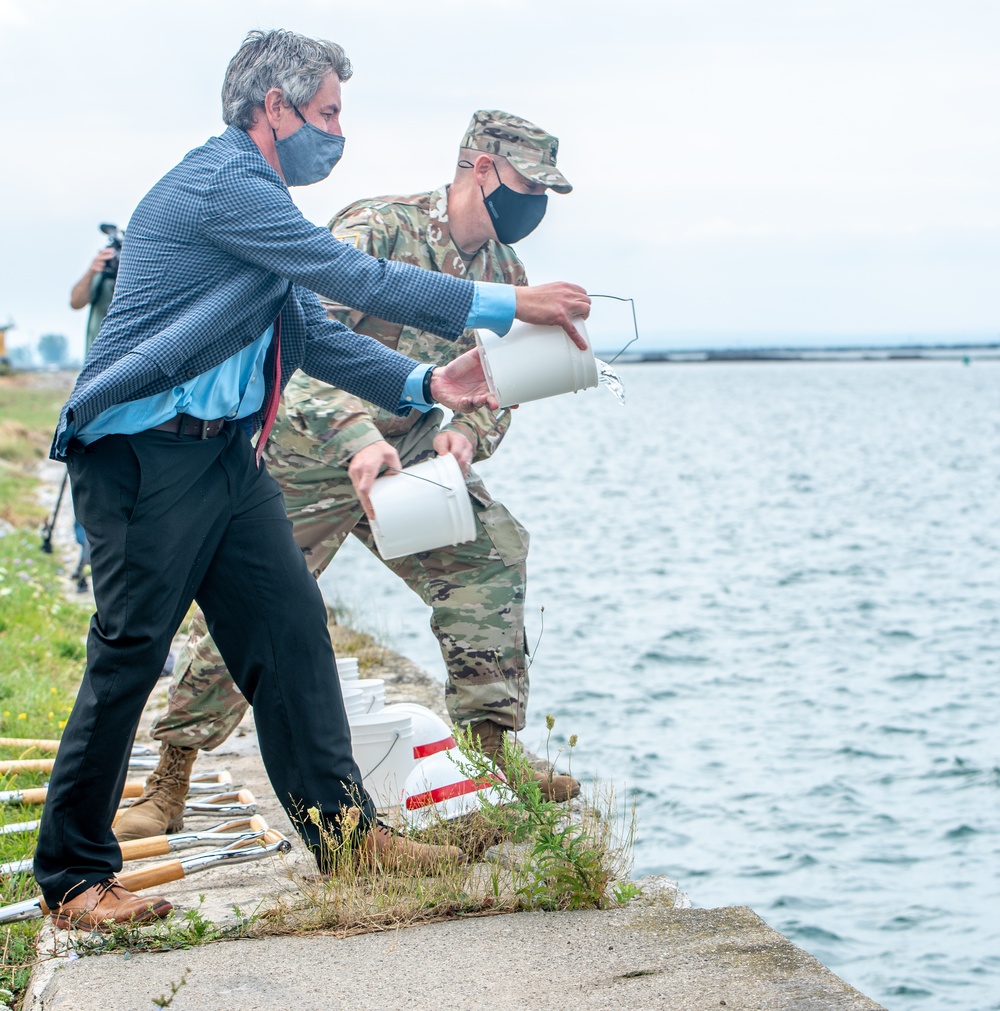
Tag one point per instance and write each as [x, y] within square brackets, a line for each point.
[52, 716]
[6, 712]
[62, 723]
[22, 716]
[54, 690]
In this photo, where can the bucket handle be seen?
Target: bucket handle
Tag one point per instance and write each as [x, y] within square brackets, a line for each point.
[635, 323]
[395, 739]
[418, 477]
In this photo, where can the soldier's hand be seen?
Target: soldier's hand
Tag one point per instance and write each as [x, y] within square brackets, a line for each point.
[555, 304]
[365, 466]
[461, 384]
[456, 444]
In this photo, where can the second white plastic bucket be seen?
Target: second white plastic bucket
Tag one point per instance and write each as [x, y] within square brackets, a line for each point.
[383, 749]
[426, 506]
[533, 362]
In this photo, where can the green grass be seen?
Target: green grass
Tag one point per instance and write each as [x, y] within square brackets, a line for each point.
[41, 643]
[29, 406]
[41, 661]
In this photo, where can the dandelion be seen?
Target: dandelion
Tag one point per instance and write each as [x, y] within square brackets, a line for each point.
[6, 712]
[22, 716]
[52, 716]
[62, 723]
[54, 690]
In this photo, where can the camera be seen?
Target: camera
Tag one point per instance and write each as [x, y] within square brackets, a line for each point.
[115, 237]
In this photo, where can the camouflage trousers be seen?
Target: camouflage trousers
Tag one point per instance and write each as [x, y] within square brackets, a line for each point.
[475, 592]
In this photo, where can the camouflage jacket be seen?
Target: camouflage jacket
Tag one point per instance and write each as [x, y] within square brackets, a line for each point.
[414, 229]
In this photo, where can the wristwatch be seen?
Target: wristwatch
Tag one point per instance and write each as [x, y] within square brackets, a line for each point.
[426, 388]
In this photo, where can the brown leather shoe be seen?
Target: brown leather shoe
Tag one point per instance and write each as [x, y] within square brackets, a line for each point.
[389, 850]
[160, 809]
[107, 903]
[489, 737]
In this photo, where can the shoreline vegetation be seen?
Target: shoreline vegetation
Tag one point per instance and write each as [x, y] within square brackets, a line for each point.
[540, 855]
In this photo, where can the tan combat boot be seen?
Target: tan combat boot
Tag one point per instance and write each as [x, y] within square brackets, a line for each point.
[489, 737]
[160, 809]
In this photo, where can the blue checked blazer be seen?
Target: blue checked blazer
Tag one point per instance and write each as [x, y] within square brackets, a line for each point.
[212, 254]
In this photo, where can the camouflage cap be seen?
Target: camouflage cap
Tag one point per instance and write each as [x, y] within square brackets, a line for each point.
[528, 148]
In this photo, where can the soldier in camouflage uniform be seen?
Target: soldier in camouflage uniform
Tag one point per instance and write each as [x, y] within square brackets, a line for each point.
[475, 590]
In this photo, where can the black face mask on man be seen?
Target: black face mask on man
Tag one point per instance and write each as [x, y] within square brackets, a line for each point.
[514, 215]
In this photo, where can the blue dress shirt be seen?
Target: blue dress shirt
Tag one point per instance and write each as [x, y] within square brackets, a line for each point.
[235, 389]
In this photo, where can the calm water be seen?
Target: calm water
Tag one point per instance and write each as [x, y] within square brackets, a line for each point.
[771, 611]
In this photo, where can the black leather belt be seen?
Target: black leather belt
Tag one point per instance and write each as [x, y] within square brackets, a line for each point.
[184, 424]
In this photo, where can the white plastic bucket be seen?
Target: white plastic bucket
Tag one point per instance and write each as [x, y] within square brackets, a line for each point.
[438, 790]
[347, 668]
[383, 750]
[373, 693]
[430, 733]
[533, 362]
[354, 701]
[426, 506]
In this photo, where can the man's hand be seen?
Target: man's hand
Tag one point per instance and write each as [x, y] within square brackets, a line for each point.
[555, 304]
[456, 444]
[365, 466]
[461, 384]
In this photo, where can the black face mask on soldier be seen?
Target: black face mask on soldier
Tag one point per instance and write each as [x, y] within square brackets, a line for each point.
[514, 215]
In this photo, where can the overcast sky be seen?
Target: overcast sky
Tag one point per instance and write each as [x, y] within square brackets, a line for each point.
[757, 170]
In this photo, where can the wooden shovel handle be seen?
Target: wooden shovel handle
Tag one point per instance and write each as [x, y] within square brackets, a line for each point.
[26, 742]
[35, 796]
[139, 849]
[151, 877]
[26, 765]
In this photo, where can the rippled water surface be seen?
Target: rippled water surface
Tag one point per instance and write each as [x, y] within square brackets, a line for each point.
[771, 611]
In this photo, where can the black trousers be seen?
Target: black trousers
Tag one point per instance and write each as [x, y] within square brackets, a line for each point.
[172, 519]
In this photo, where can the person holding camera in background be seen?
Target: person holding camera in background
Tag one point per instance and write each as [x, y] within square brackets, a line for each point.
[95, 288]
[97, 285]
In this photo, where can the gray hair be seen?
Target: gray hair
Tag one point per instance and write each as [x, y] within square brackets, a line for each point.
[278, 59]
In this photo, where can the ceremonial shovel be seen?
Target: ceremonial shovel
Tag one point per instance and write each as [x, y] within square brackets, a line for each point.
[240, 830]
[241, 802]
[172, 870]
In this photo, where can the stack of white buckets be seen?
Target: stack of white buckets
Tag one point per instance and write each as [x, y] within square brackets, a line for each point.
[406, 753]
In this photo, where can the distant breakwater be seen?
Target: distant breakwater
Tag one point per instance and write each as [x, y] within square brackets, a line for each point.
[929, 352]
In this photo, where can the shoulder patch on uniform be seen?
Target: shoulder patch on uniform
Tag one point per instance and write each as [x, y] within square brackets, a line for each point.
[351, 238]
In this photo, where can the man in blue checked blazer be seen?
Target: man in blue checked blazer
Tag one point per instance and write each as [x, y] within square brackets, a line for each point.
[214, 309]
